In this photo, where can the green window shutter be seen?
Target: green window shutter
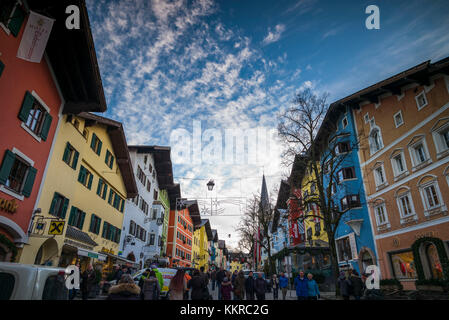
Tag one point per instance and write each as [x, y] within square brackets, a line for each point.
[75, 159]
[82, 175]
[8, 161]
[97, 230]
[46, 126]
[65, 157]
[89, 184]
[100, 186]
[2, 67]
[16, 20]
[106, 158]
[92, 220]
[110, 196]
[28, 186]
[105, 229]
[64, 208]
[122, 205]
[27, 104]
[83, 216]
[105, 191]
[53, 203]
[112, 235]
[117, 237]
[92, 142]
[112, 161]
[72, 215]
[99, 146]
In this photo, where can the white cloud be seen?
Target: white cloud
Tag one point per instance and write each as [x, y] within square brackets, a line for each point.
[274, 36]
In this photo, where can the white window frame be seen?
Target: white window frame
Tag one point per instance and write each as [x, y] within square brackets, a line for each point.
[371, 141]
[422, 93]
[386, 223]
[402, 119]
[366, 118]
[440, 146]
[413, 156]
[398, 174]
[377, 181]
[30, 162]
[412, 215]
[343, 122]
[427, 209]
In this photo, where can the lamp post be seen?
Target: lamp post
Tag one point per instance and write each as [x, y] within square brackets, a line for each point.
[210, 187]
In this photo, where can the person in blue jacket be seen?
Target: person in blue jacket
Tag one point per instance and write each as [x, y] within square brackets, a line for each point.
[283, 284]
[314, 292]
[301, 286]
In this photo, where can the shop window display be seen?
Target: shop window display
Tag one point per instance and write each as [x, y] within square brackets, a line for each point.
[403, 265]
[434, 261]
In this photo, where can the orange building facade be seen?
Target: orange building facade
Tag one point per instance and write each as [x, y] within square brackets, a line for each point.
[403, 129]
[180, 238]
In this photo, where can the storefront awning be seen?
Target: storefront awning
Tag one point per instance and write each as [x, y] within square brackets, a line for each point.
[91, 254]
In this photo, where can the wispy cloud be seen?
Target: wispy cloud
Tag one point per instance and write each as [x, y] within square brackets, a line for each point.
[275, 35]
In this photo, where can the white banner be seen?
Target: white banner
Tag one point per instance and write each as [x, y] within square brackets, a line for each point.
[35, 37]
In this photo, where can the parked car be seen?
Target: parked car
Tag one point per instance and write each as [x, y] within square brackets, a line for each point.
[32, 282]
[167, 274]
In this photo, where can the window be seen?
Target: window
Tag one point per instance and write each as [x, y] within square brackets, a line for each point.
[405, 205]
[375, 141]
[421, 100]
[441, 139]
[55, 289]
[141, 175]
[7, 283]
[154, 214]
[70, 156]
[342, 147]
[148, 186]
[346, 174]
[36, 118]
[431, 196]
[419, 154]
[317, 229]
[76, 218]
[344, 122]
[85, 133]
[144, 206]
[398, 164]
[132, 228]
[403, 265]
[96, 144]
[85, 177]
[58, 207]
[109, 159]
[344, 249]
[152, 237]
[95, 223]
[381, 214]
[366, 118]
[350, 201]
[102, 189]
[12, 16]
[17, 174]
[398, 120]
[379, 176]
[110, 232]
[432, 200]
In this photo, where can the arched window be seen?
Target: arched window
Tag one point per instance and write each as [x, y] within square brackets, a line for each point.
[433, 261]
[375, 140]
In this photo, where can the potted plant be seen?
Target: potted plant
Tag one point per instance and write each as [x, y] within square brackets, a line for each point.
[433, 285]
[390, 285]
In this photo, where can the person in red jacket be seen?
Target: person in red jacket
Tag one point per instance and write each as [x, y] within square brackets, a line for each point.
[226, 289]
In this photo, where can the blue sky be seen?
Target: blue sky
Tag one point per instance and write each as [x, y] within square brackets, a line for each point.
[237, 63]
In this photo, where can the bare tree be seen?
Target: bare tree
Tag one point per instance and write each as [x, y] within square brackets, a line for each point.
[320, 155]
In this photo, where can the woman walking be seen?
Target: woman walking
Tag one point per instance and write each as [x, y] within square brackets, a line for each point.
[88, 280]
[314, 292]
[226, 289]
[197, 284]
[151, 288]
[178, 286]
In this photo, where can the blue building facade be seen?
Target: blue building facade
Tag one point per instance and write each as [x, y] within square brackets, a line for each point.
[354, 236]
[280, 237]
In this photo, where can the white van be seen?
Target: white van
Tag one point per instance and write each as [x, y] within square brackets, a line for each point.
[31, 282]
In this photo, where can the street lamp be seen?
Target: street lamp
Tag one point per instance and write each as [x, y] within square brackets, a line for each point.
[210, 185]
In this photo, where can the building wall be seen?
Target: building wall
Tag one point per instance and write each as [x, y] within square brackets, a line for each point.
[163, 198]
[63, 179]
[398, 233]
[174, 244]
[18, 77]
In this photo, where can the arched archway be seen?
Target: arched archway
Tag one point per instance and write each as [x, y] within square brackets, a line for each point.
[431, 259]
[48, 253]
[366, 258]
[131, 257]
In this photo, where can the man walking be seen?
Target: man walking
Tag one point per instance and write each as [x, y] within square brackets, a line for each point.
[213, 278]
[220, 276]
[302, 286]
[283, 284]
[249, 286]
[260, 287]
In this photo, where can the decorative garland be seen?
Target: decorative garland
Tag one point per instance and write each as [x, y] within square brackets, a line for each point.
[439, 244]
[10, 245]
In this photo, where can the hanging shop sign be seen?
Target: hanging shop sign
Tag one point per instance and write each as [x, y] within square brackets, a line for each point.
[8, 205]
[56, 228]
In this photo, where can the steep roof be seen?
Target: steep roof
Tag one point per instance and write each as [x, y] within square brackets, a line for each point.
[281, 203]
[118, 141]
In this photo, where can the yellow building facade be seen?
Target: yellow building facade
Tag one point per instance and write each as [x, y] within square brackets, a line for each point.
[200, 247]
[313, 226]
[82, 196]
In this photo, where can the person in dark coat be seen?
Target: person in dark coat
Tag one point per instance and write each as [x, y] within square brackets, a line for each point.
[144, 276]
[344, 286]
[239, 286]
[301, 286]
[151, 288]
[118, 274]
[197, 285]
[260, 287]
[226, 289]
[213, 278]
[126, 289]
[275, 286]
[357, 285]
[219, 277]
[88, 279]
[249, 286]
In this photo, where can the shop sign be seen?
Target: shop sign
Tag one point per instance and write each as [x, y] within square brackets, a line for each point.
[106, 250]
[92, 255]
[56, 227]
[8, 205]
[430, 234]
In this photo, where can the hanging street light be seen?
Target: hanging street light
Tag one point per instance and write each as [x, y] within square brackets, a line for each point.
[210, 185]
